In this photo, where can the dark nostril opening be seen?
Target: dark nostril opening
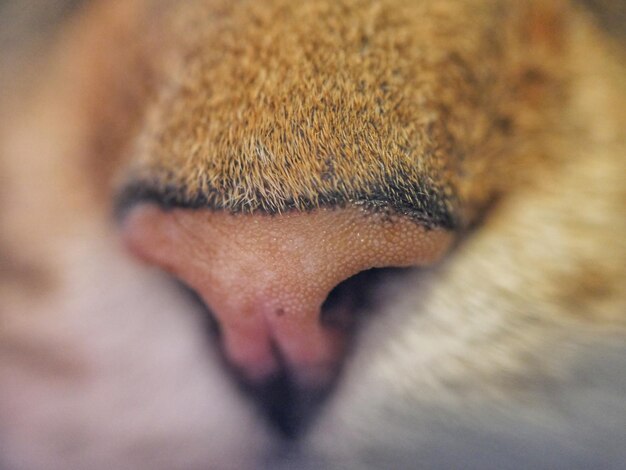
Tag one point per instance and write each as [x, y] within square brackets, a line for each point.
[210, 322]
[346, 303]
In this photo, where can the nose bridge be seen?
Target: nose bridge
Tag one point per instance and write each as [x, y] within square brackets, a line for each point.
[278, 262]
[266, 269]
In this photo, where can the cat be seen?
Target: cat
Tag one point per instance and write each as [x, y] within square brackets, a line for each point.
[330, 234]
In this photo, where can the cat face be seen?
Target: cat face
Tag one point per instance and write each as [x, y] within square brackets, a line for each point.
[315, 234]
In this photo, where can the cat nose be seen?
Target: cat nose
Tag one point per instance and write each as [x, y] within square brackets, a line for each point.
[266, 277]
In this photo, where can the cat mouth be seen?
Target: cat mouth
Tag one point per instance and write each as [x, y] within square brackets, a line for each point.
[289, 408]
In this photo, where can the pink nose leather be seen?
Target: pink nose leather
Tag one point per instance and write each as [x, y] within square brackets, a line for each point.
[266, 277]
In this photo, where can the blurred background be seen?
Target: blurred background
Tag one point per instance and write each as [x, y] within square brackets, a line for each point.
[30, 22]
[27, 28]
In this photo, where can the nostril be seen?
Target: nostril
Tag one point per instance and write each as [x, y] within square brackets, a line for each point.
[347, 303]
[209, 320]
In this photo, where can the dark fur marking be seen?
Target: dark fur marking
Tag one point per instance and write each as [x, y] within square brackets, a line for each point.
[428, 207]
